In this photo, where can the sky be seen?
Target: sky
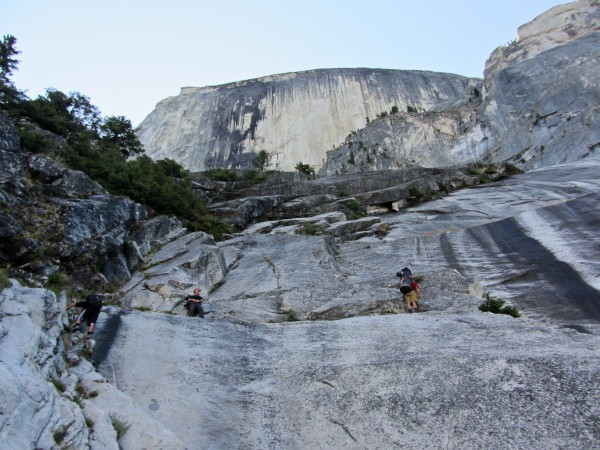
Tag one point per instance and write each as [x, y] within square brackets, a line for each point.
[127, 55]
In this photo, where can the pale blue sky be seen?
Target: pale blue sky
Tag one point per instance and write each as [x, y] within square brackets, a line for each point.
[126, 56]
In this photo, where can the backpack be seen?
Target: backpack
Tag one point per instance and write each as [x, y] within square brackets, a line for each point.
[406, 280]
[94, 301]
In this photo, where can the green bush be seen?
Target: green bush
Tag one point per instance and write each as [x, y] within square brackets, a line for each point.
[4, 282]
[119, 425]
[306, 169]
[354, 206]
[292, 317]
[415, 192]
[309, 229]
[511, 169]
[59, 385]
[496, 306]
[56, 282]
[444, 188]
[59, 436]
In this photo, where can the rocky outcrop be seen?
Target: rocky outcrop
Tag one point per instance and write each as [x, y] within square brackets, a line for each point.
[295, 117]
[538, 106]
[11, 164]
[191, 261]
[543, 90]
[445, 136]
[55, 218]
[52, 397]
[354, 195]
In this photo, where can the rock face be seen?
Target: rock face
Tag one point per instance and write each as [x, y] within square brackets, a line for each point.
[448, 135]
[543, 90]
[538, 106]
[295, 117]
[48, 403]
[440, 120]
[76, 223]
[281, 202]
[305, 343]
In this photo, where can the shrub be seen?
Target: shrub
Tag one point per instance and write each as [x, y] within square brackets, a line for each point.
[56, 282]
[355, 207]
[59, 436]
[261, 161]
[143, 308]
[4, 282]
[119, 425]
[496, 306]
[511, 169]
[59, 385]
[221, 175]
[85, 352]
[415, 192]
[292, 317]
[80, 390]
[309, 229]
[306, 169]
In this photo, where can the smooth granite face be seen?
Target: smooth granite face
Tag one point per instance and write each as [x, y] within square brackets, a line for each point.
[373, 376]
[294, 117]
[306, 343]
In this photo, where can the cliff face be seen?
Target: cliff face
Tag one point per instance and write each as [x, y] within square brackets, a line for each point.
[543, 90]
[295, 117]
[538, 107]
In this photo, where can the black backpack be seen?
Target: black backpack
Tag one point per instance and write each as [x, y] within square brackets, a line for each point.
[94, 301]
[406, 280]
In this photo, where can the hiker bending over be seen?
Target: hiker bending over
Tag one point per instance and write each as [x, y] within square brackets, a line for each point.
[411, 297]
[410, 289]
[92, 306]
[194, 303]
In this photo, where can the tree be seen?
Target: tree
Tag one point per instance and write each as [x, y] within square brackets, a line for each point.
[261, 161]
[63, 114]
[306, 169]
[10, 96]
[8, 51]
[117, 130]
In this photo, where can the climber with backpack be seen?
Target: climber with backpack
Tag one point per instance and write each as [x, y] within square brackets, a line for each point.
[92, 305]
[409, 288]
